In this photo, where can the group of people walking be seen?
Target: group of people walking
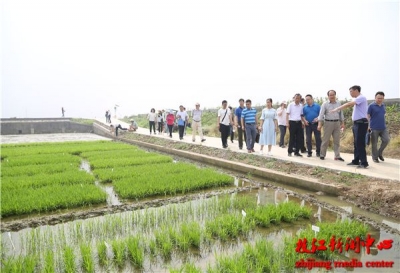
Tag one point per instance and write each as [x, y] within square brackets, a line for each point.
[305, 115]
[166, 122]
[244, 121]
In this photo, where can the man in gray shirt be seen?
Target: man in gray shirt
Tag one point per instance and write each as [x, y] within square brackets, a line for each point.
[196, 123]
[333, 125]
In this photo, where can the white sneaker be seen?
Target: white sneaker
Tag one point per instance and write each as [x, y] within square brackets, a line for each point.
[269, 154]
[261, 152]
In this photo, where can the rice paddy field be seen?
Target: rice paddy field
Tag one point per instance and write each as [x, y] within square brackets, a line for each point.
[259, 230]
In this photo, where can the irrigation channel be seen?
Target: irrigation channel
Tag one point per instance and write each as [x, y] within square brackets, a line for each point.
[252, 226]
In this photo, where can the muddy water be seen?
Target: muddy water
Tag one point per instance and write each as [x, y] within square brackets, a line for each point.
[144, 222]
[112, 197]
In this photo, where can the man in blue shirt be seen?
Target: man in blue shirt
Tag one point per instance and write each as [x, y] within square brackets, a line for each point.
[311, 113]
[238, 118]
[249, 124]
[377, 125]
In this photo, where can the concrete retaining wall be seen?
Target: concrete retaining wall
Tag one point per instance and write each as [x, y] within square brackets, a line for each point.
[42, 126]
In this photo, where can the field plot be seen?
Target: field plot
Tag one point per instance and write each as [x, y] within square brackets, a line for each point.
[174, 238]
[146, 174]
[47, 176]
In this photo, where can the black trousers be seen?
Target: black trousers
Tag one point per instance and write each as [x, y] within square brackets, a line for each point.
[224, 129]
[119, 127]
[160, 127]
[360, 129]
[231, 133]
[296, 140]
[282, 130]
[181, 130]
[170, 127]
[152, 125]
[240, 133]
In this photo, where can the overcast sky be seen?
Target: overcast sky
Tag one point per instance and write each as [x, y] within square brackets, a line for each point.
[90, 55]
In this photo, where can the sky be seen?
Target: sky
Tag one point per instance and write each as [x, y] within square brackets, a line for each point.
[89, 55]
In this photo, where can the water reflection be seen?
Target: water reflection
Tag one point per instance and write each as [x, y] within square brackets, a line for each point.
[265, 196]
[112, 198]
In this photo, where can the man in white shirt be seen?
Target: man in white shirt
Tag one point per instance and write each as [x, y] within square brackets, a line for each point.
[182, 117]
[196, 123]
[294, 121]
[224, 119]
[281, 112]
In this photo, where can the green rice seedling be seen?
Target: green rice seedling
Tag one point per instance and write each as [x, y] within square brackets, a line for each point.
[131, 161]
[173, 235]
[87, 259]
[227, 226]
[140, 186]
[38, 169]
[50, 198]
[102, 253]
[71, 177]
[119, 248]
[340, 230]
[152, 247]
[186, 268]
[193, 230]
[30, 263]
[244, 203]
[289, 255]
[40, 160]
[183, 242]
[135, 251]
[164, 243]
[48, 266]
[12, 265]
[69, 260]
[261, 257]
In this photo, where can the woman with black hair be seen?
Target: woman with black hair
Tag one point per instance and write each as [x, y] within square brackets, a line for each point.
[152, 117]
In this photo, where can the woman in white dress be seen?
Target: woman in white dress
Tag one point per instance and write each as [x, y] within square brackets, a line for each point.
[268, 127]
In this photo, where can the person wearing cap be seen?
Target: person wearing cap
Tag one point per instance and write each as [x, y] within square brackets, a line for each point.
[133, 126]
[196, 123]
[281, 113]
